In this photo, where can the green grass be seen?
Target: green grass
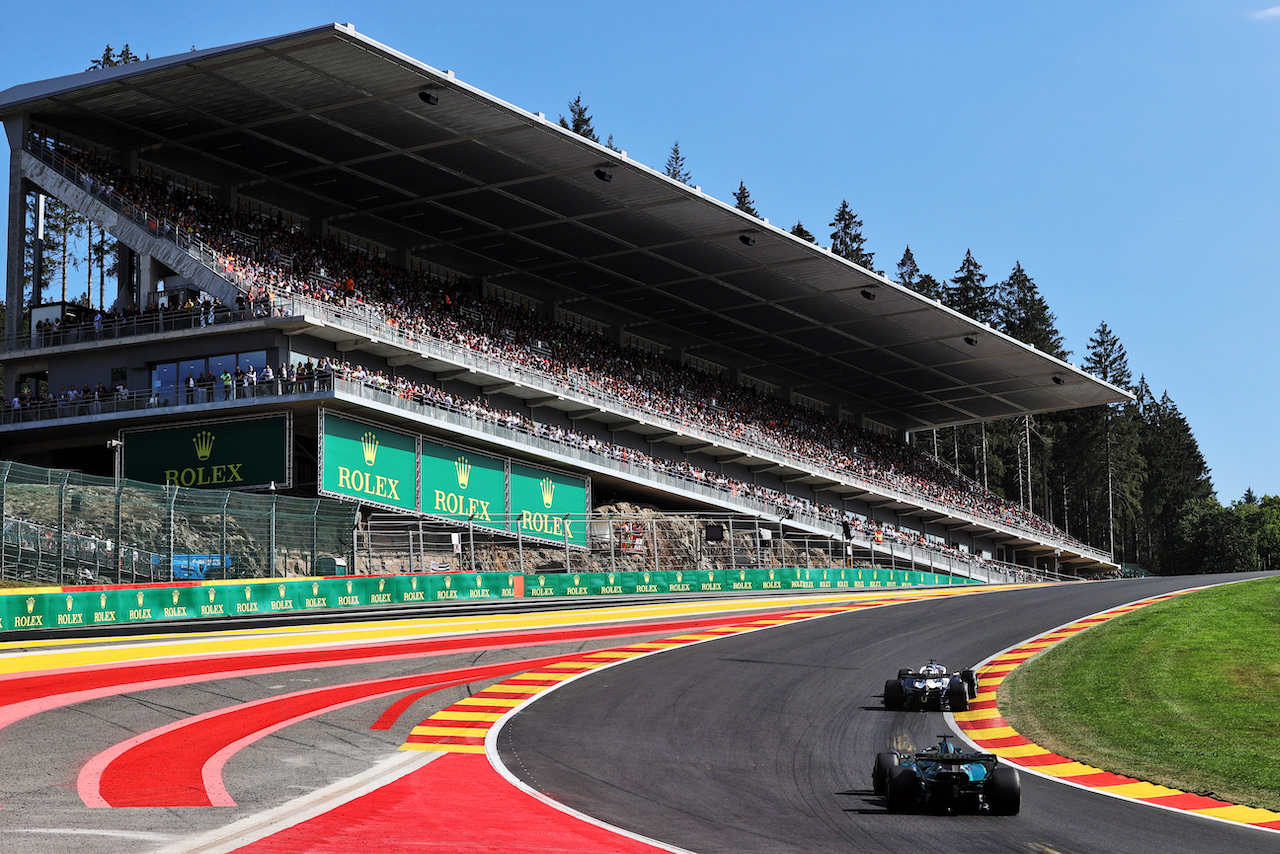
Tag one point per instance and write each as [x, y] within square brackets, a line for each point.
[5, 582]
[1185, 693]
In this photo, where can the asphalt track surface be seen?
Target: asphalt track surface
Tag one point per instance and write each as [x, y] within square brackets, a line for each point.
[763, 742]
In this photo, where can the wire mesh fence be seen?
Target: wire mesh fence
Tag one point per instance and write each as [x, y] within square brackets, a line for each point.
[620, 539]
[63, 527]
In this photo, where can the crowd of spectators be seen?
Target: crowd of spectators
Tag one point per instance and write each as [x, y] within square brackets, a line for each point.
[780, 503]
[271, 258]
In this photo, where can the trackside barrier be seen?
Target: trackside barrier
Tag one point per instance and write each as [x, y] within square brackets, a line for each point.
[45, 608]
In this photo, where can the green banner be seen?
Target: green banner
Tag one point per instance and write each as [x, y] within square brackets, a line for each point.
[211, 455]
[549, 505]
[72, 608]
[464, 485]
[374, 464]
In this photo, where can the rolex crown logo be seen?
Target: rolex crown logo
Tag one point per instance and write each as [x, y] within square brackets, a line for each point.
[611, 578]
[102, 601]
[577, 581]
[176, 594]
[771, 575]
[646, 578]
[139, 598]
[464, 472]
[542, 582]
[281, 589]
[315, 588]
[382, 584]
[479, 582]
[248, 593]
[212, 593]
[31, 604]
[204, 444]
[448, 582]
[414, 583]
[348, 587]
[369, 442]
[742, 575]
[548, 492]
[679, 577]
[70, 601]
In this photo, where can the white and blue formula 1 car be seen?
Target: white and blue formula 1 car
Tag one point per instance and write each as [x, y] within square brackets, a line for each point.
[931, 687]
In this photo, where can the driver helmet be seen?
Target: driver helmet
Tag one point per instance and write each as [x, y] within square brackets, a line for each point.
[933, 670]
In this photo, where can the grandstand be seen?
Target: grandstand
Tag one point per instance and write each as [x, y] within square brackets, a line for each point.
[333, 249]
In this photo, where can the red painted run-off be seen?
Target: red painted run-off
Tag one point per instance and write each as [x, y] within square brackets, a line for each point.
[457, 804]
[181, 765]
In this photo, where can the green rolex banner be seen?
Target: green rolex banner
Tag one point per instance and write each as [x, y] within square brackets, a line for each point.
[464, 485]
[211, 454]
[368, 462]
[549, 505]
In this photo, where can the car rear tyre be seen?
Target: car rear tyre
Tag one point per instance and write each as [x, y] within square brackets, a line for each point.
[885, 762]
[1004, 791]
[894, 696]
[971, 679]
[958, 697]
[905, 672]
[904, 789]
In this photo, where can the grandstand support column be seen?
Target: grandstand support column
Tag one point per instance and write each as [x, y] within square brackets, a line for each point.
[126, 278]
[15, 129]
[149, 276]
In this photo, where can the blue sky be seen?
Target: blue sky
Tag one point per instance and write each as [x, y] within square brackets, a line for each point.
[1124, 152]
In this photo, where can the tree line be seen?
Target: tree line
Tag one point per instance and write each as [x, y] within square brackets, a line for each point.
[1127, 478]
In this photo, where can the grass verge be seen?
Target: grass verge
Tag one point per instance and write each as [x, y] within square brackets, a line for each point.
[1185, 693]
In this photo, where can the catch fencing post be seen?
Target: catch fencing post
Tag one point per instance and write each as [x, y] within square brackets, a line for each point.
[222, 540]
[62, 522]
[4, 543]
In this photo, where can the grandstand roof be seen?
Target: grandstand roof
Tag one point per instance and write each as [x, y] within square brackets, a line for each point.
[330, 125]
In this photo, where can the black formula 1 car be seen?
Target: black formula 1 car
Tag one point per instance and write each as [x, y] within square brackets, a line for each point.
[931, 687]
[946, 779]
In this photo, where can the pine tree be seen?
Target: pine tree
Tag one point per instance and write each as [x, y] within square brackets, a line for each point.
[1176, 473]
[675, 165]
[580, 121]
[1107, 358]
[930, 287]
[908, 271]
[742, 200]
[1249, 497]
[803, 233]
[969, 294]
[1113, 463]
[1023, 313]
[608, 143]
[110, 59]
[847, 240]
